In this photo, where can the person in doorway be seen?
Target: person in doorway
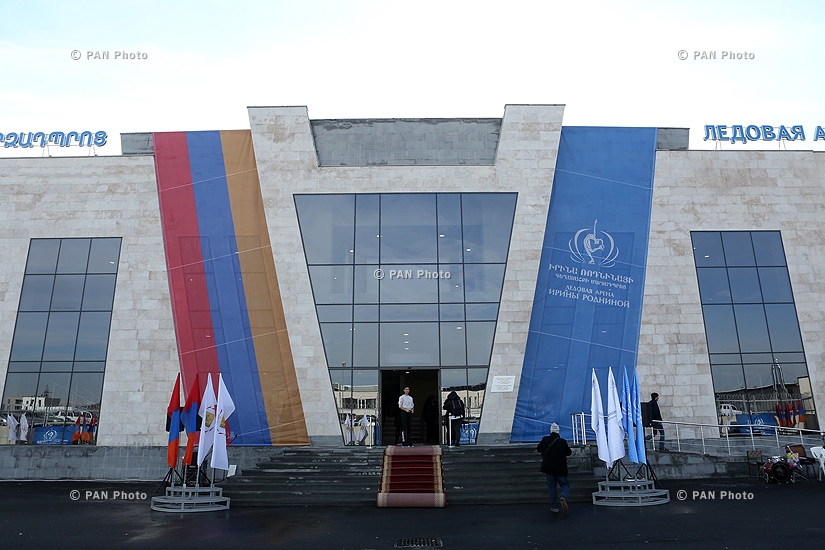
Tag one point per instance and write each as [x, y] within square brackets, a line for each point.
[430, 416]
[406, 406]
[554, 452]
[455, 416]
[656, 421]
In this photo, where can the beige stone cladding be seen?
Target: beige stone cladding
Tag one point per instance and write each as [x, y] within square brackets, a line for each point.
[725, 191]
[100, 197]
[288, 164]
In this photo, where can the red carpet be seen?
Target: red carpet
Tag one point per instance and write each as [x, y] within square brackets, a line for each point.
[412, 478]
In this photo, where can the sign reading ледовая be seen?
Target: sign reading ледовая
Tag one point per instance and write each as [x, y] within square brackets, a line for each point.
[60, 139]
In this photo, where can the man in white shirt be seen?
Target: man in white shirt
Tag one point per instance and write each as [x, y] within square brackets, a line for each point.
[406, 406]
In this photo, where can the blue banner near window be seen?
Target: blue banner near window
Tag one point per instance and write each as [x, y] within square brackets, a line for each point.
[588, 304]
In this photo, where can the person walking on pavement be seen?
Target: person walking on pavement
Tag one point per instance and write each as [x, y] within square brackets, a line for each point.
[554, 452]
[406, 406]
[455, 416]
[656, 421]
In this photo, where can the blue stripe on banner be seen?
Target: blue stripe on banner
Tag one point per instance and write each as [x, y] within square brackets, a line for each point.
[227, 301]
[588, 305]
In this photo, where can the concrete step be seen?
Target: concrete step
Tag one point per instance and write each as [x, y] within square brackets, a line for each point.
[346, 476]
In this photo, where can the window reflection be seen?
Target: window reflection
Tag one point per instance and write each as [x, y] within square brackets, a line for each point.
[408, 229]
[356, 398]
[327, 228]
[450, 239]
[755, 346]
[409, 344]
[74, 256]
[707, 249]
[713, 285]
[61, 336]
[104, 255]
[68, 292]
[42, 256]
[738, 249]
[58, 354]
[36, 294]
[29, 336]
[487, 221]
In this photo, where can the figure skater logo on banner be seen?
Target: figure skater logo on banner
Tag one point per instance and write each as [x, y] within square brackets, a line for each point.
[593, 243]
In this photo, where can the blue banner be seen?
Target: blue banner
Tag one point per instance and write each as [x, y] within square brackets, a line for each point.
[53, 435]
[588, 303]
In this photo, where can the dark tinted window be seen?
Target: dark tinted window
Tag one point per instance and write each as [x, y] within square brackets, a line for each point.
[755, 346]
[58, 352]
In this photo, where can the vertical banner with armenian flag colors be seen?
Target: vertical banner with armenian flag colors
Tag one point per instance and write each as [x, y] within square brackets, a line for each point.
[226, 302]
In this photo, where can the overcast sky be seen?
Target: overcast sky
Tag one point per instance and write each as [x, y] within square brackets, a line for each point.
[611, 63]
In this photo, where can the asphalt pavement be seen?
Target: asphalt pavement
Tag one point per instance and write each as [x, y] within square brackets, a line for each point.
[737, 513]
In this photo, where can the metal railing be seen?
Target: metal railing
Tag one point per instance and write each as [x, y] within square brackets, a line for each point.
[713, 438]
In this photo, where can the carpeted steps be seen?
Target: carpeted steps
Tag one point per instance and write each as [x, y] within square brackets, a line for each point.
[411, 477]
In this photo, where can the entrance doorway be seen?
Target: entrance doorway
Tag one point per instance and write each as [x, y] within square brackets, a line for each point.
[424, 390]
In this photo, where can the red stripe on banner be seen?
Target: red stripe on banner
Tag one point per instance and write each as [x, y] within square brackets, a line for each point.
[184, 259]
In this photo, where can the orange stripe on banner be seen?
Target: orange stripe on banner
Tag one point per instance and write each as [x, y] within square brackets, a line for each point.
[279, 384]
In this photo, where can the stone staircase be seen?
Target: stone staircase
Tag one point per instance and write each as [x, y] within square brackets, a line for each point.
[309, 476]
[510, 475]
[350, 476]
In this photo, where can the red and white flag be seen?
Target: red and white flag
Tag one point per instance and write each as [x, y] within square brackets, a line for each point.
[225, 408]
[207, 413]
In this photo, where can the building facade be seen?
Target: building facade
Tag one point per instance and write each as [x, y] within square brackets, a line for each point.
[320, 266]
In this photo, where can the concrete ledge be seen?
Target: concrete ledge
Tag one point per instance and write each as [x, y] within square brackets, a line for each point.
[59, 462]
[502, 438]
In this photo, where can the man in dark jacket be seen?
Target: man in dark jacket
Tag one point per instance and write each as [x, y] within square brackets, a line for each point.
[554, 452]
[656, 421]
[455, 413]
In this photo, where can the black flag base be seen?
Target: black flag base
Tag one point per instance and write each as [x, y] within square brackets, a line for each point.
[194, 475]
[172, 476]
[621, 472]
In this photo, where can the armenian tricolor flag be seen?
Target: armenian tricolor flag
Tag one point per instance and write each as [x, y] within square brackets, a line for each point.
[226, 302]
[173, 416]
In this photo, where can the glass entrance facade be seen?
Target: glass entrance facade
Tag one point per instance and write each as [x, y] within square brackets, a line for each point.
[407, 281]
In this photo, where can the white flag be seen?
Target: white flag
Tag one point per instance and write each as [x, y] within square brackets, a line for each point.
[597, 419]
[24, 428]
[225, 408]
[615, 432]
[207, 413]
[12, 421]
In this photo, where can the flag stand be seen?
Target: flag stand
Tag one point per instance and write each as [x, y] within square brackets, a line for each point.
[169, 480]
[197, 498]
[623, 488]
[192, 499]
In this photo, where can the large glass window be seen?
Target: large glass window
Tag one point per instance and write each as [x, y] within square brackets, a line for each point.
[58, 354]
[756, 354]
[407, 280]
[356, 395]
